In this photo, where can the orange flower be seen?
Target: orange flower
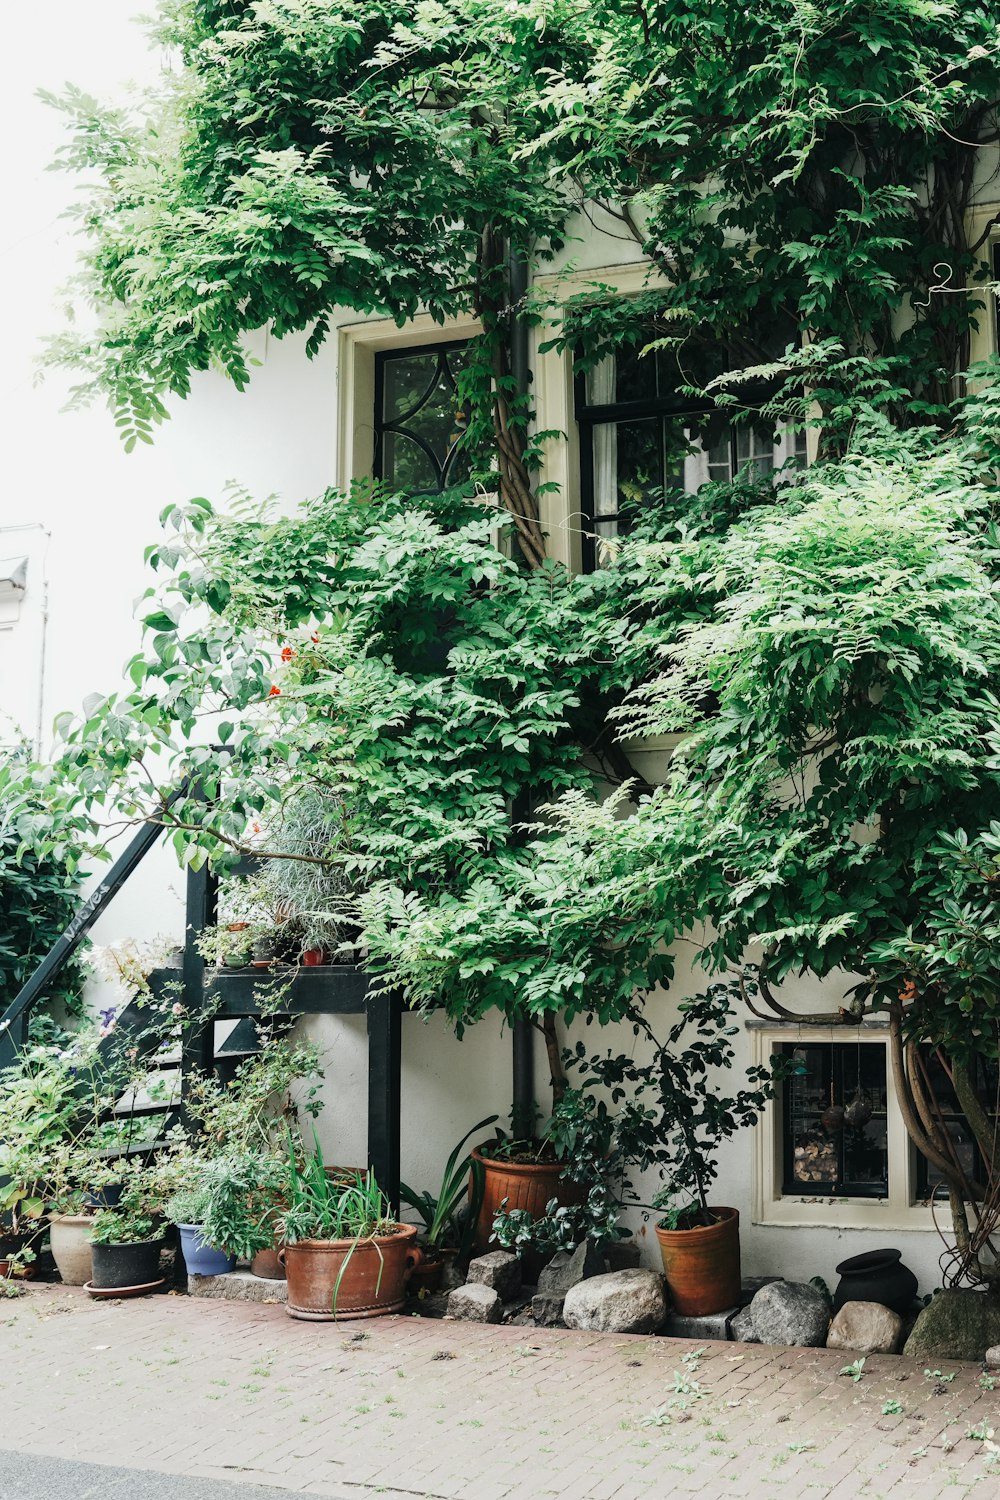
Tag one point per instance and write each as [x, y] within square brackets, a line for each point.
[275, 691]
[287, 653]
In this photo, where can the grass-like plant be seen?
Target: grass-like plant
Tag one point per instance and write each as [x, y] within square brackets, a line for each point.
[321, 1206]
[450, 1218]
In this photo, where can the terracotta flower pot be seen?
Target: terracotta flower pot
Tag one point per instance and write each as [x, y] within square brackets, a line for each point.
[332, 1280]
[267, 1265]
[702, 1265]
[314, 958]
[529, 1185]
[69, 1238]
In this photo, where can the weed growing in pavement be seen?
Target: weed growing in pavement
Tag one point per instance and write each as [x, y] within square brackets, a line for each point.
[891, 1408]
[855, 1369]
[940, 1375]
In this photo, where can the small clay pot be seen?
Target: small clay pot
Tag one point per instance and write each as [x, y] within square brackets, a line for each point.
[314, 958]
[267, 1266]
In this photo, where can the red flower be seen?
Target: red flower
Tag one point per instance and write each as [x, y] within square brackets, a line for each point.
[287, 653]
[315, 637]
[275, 691]
[256, 828]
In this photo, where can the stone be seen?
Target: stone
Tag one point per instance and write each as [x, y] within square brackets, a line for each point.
[955, 1324]
[865, 1328]
[790, 1312]
[568, 1267]
[622, 1255]
[991, 1359]
[708, 1326]
[631, 1301]
[238, 1286]
[451, 1276]
[741, 1327]
[499, 1270]
[752, 1285]
[547, 1311]
[475, 1303]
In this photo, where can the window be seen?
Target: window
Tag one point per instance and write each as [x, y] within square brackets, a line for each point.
[419, 419]
[639, 434]
[835, 1118]
[987, 1085]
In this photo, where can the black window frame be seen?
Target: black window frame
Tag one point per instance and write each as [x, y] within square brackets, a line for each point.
[843, 1188]
[383, 357]
[588, 417]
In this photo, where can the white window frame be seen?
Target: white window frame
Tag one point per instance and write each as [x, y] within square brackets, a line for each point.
[770, 1206]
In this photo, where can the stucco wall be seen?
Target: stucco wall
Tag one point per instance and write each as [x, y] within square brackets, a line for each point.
[92, 509]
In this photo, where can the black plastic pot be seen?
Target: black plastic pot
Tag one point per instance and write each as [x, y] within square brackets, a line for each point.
[137, 1264]
[877, 1276]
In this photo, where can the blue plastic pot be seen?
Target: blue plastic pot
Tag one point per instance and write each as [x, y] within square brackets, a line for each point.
[201, 1259]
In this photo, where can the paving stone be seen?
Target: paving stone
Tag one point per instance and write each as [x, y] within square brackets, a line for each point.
[238, 1286]
[499, 1270]
[711, 1326]
[865, 1328]
[618, 1302]
[475, 1303]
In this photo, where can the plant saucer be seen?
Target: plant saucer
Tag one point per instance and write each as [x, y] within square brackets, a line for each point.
[123, 1291]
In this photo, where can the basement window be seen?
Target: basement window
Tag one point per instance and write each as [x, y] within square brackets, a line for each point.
[835, 1120]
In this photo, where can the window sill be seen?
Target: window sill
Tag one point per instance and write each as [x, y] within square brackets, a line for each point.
[844, 1213]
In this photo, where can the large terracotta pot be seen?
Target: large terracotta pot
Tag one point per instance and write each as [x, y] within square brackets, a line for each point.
[702, 1265]
[529, 1185]
[69, 1238]
[372, 1275]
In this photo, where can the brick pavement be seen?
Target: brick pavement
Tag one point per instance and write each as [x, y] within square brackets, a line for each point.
[411, 1407]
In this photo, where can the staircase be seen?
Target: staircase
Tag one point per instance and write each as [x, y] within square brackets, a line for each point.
[221, 1009]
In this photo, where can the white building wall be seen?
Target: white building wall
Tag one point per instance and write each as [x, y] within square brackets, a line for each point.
[90, 509]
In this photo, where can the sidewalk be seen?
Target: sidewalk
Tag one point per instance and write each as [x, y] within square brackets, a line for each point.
[454, 1411]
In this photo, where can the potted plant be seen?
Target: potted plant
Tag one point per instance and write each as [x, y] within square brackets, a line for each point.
[188, 1209]
[673, 1119]
[344, 1255]
[449, 1219]
[126, 1244]
[244, 1193]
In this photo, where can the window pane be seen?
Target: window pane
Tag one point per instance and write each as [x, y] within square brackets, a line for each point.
[422, 421]
[628, 464]
[835, 1120]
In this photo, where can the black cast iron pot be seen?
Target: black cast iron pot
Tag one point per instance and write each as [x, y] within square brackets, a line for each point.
[876, 1276]
[137, 1264]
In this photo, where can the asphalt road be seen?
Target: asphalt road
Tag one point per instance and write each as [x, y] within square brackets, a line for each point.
[25, 1476]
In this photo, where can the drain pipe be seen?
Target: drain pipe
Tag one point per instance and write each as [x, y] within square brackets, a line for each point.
[522, 1115]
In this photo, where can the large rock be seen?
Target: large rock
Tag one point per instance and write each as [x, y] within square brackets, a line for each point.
[569, 1267]
[741, 1327]
[475, 1303]
[991, 1359]
[955, 1325]
[499, 1270]
[865, 1328]
[547, 1310]
[790, 1312]
[619, 1302]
